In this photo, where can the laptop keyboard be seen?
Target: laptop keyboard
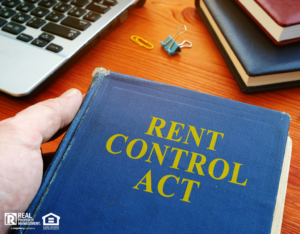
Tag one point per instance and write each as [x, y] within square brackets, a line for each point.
[63, 18]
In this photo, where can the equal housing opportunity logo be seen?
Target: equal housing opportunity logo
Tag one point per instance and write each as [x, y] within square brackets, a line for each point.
[51, 222]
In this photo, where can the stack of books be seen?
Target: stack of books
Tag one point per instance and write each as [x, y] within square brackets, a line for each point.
[259, 40]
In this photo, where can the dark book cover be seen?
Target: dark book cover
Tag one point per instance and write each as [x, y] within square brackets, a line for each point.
[257, 54]
[145, 157]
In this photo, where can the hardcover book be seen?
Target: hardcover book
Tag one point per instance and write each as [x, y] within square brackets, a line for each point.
[278, 19]
[145, 157]
[255, 61]
[285, 13]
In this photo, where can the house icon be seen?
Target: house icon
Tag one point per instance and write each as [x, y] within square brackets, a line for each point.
[51, 219]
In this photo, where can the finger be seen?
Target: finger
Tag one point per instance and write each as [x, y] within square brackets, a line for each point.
[59, 133]
[43, 120]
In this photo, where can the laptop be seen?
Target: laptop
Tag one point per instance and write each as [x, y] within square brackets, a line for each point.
[41, 38]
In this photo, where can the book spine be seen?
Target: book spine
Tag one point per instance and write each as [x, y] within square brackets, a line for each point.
[98, 77]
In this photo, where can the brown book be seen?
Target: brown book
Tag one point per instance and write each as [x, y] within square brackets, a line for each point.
[280, 20]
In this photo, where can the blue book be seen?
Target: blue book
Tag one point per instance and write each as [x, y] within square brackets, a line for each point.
[255, 61]
[146, 157]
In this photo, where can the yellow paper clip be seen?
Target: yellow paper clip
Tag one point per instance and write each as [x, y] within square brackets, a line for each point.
[142, 42]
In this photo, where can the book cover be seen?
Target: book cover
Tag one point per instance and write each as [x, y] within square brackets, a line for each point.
[285, 13]
[256, 63]
[145, 157]
[276, 25]
[278, 33]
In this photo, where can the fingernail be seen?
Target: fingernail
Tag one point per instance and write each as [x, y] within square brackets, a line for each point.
[70, 92]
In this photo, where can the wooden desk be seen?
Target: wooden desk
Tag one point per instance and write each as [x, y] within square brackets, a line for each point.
[200, 68]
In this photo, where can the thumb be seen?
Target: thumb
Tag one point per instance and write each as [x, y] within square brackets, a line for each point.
[44, 119]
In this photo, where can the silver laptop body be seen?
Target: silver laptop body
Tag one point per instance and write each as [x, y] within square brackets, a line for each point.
[25, 65]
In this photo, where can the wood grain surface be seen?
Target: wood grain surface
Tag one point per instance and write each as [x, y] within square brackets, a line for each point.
[199, 68]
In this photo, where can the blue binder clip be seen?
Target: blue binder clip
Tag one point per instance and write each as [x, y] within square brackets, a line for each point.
[171, 46]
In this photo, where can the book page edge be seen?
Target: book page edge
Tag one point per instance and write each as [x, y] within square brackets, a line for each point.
[280, 201]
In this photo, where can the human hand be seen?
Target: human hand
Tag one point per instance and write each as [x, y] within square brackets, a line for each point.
[21, 164]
